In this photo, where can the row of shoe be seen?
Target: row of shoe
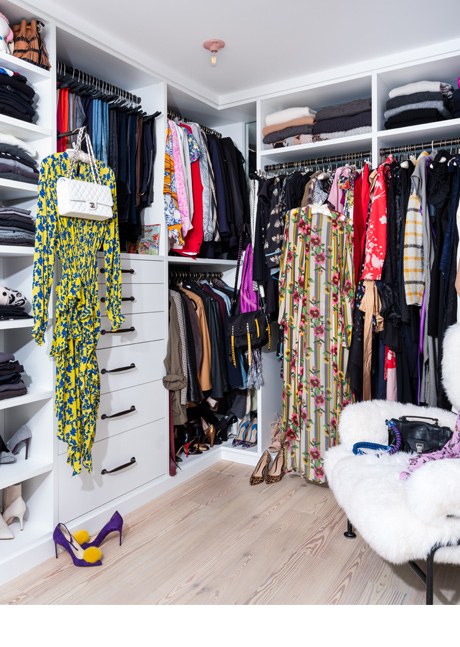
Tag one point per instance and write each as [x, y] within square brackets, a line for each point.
[83, 551]
[10, 449]
[200, 435]
[14, 507]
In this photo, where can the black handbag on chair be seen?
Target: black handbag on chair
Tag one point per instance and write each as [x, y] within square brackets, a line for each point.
[420, 434]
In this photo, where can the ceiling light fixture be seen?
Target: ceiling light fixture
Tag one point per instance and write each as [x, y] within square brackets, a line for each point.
[214, 45]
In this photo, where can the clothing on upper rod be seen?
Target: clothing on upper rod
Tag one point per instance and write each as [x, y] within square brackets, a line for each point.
[206, 195]
[122, 135]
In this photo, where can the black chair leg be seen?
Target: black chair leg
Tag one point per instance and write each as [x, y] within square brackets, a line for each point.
[430, 577]
[349, 534]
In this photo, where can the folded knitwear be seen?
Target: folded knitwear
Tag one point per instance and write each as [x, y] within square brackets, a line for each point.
[12, 166]
[287, 132]
[6, 357]
[14, 367]
[288, 114]
[414, 118]
[17, 242]
[13, 312]
[302, 121]
[7, 109]
[14, 378]
[15, 100]
[343, 123]
[8, 391]
[18, 232]
[17, 211]
[18, 85]
[344, 109]
[456, 103]
[437, 105]
[422, 86]
[15, 141]
[347, 133]
[417, 97]
[17, 153]
[17, 177]
[17, 224]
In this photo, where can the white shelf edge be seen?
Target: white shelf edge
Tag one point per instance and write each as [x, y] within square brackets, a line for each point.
[325, 143]
[16, 250]
[201, 261]
[31, 396]
[18, 64]
[23, 187]
[12, 324]
[23, 470]
[10, 124]
[447, 124]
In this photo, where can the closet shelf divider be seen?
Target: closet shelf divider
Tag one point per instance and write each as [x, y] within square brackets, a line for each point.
[32, 396]
[21, 470]
[13, 190]
[316, 149]
[22, 129]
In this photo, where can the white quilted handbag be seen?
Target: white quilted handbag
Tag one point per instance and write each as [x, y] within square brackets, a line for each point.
[80, 199]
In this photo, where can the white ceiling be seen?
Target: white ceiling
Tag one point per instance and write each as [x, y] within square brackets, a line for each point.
[267, 41]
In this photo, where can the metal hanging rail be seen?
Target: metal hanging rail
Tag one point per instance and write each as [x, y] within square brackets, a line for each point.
[408, 148]
[175, 116]
[319, 161]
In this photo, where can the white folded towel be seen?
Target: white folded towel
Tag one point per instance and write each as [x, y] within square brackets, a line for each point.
[288, 114]
[422, 86]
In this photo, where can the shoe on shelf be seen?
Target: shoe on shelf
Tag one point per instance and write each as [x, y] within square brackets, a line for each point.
[115, 524]
[276, 471]
[23, 435]
[251, 436]
[209, 431]
[80, 557]
[277, 435]
[14, 506]
[242, 431]
[5, 531]
[260, 472]
[5, 455]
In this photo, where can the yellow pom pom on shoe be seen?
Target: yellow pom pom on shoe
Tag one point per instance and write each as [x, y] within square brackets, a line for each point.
[81, 536]
[92, 555]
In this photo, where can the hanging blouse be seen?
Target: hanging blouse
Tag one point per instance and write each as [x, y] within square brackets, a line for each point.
[171, 205]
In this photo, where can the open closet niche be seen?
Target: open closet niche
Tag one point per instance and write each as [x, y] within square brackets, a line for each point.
[232, 123]
[34, 408]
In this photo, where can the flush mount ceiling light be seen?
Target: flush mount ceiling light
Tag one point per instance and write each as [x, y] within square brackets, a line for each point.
[214, 45]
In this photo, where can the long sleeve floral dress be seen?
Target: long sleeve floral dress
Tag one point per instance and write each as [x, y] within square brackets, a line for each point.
[75, 242]
[316, 296]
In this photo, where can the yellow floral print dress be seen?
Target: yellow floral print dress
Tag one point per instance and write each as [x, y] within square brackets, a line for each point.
[75, 243]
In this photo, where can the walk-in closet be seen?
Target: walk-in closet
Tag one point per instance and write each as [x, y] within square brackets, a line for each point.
[226, 269]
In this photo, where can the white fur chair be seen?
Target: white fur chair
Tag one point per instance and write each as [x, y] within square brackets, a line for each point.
[403, 521]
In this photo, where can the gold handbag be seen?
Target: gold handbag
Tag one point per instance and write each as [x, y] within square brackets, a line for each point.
[29, 45]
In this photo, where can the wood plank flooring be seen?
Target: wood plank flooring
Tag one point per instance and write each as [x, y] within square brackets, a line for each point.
[216, 540]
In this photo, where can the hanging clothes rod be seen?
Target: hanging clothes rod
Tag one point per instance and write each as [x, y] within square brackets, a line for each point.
[174, 116]
[407, 148]
[191, 274]
[78, 76]
[346, 158]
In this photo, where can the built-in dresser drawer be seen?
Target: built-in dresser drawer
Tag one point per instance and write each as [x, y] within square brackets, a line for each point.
[138, 297]
[120, 464]
[136, 329]
[134, 270]
[126, 366]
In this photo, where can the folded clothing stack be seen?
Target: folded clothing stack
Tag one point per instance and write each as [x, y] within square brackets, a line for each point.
[344, 120]
[418, 103]
[11, 385]
[12, 304]
[17, 227]
[456, 102]
[17, 160]
[16, 96]
[288, 123]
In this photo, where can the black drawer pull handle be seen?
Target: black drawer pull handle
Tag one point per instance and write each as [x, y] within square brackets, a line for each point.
[118, 370]
[131, 271]
[120, 413]
[103, 299]
[114, 332]
[120, 467]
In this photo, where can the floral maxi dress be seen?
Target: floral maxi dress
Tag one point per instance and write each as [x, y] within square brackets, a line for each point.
[316, 295]
[75, 242]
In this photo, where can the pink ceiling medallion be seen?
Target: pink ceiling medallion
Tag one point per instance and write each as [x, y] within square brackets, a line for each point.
[214, 45]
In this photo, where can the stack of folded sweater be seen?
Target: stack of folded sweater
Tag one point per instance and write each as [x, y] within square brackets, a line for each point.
[12, 304]
[344, 120]
[456, 102]
[11, 385]
[16, 96]
[17, 160]
[17, 227]
[418, 103]
[283, 126]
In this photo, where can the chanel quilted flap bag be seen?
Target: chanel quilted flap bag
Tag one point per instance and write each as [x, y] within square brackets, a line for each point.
[80, 199]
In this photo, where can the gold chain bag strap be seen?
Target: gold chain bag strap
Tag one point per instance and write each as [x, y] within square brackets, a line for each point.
[81, 199]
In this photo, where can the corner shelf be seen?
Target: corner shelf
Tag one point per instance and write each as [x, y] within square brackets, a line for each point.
[22, 470]
[357, 143]
[31, 396]
[12, 324]
[16, 250]
[33, 73]
[13, 190]
[22, 129]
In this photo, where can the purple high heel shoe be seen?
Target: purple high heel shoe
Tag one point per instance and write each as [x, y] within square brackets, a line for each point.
[80, 557]
[114, 525]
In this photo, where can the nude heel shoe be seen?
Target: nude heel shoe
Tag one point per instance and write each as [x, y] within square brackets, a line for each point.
[261, 469]
[14, 506]
[5, 532]
[276, 471]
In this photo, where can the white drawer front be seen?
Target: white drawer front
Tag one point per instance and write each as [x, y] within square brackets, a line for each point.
[148, 365]
[136, 329]
[84, 492]
[137, 297]
[128, 408]
[134, 270]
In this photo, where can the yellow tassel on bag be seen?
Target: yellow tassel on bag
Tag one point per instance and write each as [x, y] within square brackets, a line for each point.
[233, 347]
[258, 330]
[269, 336]
[249, 345]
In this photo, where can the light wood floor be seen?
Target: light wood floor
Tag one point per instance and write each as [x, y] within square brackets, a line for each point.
[216, 540]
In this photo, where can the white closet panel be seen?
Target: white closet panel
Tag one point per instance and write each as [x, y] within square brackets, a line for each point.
[148, 365]
[137, 328]
[144, 297]
[136, 271]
